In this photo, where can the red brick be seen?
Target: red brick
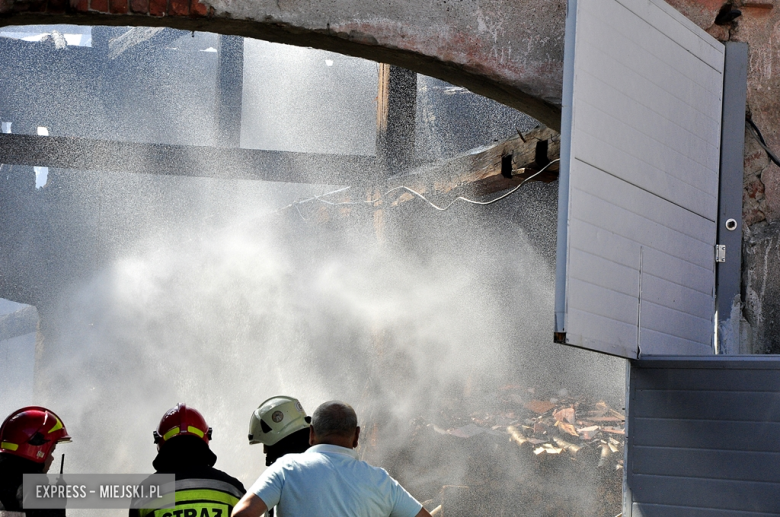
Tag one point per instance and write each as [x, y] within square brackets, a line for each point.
[37, 6]
[118, 6]
[198, 9]
[98, 5]
[139, 6]
[80, 5]
[57, 6]
[158, 7]
[179, 8]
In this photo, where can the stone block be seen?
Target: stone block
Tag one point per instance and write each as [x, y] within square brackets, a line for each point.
[139, 6]
[754, 188]
[771, 180]
[756, 159]
[761, 280]
[752, 215]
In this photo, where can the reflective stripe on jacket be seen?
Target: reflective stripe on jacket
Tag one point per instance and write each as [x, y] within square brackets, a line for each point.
[200, 498]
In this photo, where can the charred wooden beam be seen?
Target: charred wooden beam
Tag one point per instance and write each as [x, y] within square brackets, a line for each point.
[396, 110]
[183, 160]
[476, 173]
[487, 170]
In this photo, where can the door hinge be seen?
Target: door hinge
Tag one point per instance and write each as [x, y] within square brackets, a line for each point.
[720, 253]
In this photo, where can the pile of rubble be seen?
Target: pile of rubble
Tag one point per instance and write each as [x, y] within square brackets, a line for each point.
[554, 425]
[528, 455]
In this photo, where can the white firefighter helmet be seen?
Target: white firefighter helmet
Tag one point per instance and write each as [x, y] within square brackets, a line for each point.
[277, 418]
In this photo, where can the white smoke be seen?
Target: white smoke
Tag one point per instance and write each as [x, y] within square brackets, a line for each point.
[428, 321]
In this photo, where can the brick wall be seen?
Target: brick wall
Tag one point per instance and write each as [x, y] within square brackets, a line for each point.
[151, 8]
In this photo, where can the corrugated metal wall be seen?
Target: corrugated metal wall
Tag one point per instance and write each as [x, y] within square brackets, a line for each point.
[703, 437]
[639, 180]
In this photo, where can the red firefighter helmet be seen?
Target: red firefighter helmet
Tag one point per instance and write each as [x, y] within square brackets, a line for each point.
[31, 433]
[182, 420]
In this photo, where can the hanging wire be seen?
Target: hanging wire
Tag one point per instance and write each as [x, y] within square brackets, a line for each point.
[414, 192]
[472, 201]
[762, 143]
[321, 198]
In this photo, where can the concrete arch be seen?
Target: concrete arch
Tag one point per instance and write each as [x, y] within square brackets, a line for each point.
[508, 50]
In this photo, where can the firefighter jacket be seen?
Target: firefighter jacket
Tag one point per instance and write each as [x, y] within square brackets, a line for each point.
[12, 470]
[201, 490]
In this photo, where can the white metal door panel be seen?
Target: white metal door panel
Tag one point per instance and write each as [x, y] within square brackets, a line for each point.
[639, 180]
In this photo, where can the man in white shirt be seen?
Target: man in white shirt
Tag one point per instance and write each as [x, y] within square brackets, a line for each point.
[328, 479]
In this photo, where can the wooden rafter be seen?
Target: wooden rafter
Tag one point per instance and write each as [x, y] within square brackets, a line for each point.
[185, 160]
[477, 173]
[487, 170]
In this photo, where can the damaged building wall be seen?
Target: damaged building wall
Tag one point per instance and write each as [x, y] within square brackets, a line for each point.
[761, 283]
[511, 51]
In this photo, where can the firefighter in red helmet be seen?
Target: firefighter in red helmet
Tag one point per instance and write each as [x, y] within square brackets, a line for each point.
[182, 439]
[27, 440]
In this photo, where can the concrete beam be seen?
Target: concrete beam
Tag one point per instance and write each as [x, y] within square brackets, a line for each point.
[508, 51]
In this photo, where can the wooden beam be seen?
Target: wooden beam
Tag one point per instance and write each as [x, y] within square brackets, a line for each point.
[486, 170]
[479, 172]
[476, 173]
[229, 94]
[395, 120]
[182, 160]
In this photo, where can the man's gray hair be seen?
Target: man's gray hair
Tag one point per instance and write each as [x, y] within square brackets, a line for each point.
[334, 418]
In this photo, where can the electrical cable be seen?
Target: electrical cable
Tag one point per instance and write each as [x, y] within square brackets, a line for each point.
[320, 197]
[437, 207]
[762, 142]
[472, 201]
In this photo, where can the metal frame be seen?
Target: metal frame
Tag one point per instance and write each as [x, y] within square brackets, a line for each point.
[732, 149]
